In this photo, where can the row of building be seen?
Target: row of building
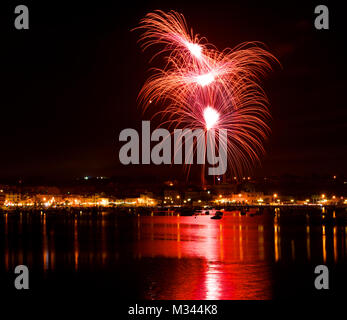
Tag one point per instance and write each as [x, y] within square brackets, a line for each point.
[169, 197]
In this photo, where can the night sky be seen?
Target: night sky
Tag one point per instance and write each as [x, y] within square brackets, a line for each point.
[69, 84]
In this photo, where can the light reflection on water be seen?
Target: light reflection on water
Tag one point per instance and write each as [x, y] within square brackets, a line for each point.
[175, 257]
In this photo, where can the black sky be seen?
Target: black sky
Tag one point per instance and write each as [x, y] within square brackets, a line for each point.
[69, 84]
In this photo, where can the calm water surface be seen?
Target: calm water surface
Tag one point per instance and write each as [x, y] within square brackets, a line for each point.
[272, 255]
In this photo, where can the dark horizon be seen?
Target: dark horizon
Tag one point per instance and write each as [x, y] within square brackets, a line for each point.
[69, 85]
[289, 185]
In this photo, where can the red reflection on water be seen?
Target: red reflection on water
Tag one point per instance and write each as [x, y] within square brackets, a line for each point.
[219, 259]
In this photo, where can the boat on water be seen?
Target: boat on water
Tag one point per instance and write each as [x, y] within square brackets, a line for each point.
[218, 215]
[204, 212]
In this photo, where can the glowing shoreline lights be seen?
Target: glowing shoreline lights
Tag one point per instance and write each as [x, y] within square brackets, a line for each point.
[203, 88]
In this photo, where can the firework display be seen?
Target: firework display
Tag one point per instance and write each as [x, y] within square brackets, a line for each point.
[201, 87]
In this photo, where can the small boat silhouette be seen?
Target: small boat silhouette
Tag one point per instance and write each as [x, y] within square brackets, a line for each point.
[218, 215]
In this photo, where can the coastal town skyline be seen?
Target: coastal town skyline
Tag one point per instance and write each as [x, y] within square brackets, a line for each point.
[104, 191]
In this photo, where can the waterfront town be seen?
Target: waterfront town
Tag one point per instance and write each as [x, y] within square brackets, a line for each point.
[104, 192]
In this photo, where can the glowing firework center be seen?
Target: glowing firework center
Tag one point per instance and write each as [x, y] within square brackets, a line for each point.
[211, 117]
[194, 49]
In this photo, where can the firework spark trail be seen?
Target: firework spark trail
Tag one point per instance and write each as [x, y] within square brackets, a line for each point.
[203, 88]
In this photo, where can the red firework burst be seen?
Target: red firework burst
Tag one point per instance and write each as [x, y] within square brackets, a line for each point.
[201, 87]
